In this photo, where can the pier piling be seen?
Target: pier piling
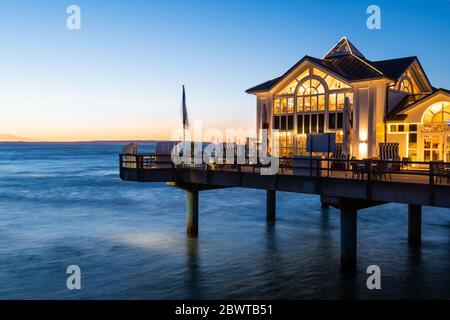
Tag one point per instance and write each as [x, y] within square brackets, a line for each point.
[348, 239]
[192, 213]
[414, 225]
[271, 198]
[324, 203]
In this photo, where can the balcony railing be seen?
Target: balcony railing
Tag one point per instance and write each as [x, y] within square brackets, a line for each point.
[432, 173]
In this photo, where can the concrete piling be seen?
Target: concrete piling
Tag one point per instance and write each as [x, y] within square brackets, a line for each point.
[348, 239]
[271, 198]
[192, 213]
[414, 225]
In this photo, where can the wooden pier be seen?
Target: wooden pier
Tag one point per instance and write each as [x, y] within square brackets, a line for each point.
[346, 185]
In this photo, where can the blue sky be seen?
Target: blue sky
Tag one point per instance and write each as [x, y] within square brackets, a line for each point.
[120, 76]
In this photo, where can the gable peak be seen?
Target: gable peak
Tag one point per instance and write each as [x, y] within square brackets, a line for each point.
[343, 47]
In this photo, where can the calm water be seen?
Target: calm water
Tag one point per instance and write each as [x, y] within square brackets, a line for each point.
[64, 204]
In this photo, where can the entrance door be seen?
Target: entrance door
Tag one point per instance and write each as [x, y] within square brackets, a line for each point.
[432, 147]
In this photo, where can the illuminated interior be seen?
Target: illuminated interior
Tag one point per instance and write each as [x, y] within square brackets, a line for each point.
[311, 103]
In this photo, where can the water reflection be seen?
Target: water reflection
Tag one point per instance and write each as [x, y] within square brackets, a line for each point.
[130, 238]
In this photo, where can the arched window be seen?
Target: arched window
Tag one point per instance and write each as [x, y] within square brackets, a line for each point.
[437, 117]
[311, 94]
[405, 85]
[313, 102]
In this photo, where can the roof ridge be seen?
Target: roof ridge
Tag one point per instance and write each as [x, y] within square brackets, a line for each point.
[367, 62]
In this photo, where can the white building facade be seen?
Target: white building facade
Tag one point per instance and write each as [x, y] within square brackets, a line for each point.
[392, 100]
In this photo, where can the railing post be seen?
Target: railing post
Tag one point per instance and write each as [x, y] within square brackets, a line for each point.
[318, 174]
[368, 165]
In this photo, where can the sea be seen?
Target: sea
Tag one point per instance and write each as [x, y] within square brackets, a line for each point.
[64, 205]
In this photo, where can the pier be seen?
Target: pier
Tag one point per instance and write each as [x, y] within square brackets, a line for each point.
[350, 187]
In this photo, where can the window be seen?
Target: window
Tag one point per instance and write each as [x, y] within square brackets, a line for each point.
[314, 123]
[276, 123]
[290, 108]
[332, 121]
[336, 108]
[393, 128]
[332, 102]
[300, 104]
[283, 105]
[321, 103]
[299, 124]
[306, 123]
[321, 123]
[311, 103]
[284, 143]
[437, 117]
[276, 106]
[290, 123]
[405, 85]
[340, 121]
[311, 96]
[283, 125]
[412, 141]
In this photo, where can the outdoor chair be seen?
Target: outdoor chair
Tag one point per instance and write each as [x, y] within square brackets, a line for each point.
[389, 169]
[286, 163]
[404, 163]
[358, 170]
[379, 171]
[441, 172]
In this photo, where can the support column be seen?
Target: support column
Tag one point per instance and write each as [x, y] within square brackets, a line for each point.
[324, 204]
[192, 213]
[348, 239]
[414, 225]
[271, 205]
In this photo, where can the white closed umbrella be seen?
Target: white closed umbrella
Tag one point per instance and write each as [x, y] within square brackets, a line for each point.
[347, 127]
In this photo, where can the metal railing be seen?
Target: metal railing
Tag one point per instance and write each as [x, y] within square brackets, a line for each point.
[432, 173]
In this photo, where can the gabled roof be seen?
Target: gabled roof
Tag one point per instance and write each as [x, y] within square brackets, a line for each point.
[347, 62]
[350, 67]
[394, 68]
[397, 113]
[265, 86]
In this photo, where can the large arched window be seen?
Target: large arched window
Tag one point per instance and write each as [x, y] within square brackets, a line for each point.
[437, 117]
[312, 102]
[311, 106]
[311, 95]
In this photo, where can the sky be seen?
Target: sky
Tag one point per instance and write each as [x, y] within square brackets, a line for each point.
[119, 77]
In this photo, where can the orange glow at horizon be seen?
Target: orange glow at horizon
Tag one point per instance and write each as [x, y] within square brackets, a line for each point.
[140, 131]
